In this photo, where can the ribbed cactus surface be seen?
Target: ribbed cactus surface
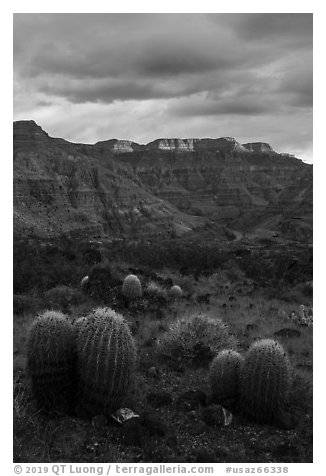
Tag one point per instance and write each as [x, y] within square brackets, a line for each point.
[131, 287]
[105, 361]
[224, 375]
[50, 360]
[265, 380]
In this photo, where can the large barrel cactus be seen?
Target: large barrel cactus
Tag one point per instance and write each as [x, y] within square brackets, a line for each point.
[224, 374]
[105, 361]
[265, 380]
[131, 287]
[50, 361]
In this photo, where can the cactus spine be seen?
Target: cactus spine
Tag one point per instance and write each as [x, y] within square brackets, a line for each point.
[105, 360]
[265, 380]
[224, 375]
[131, 287]
[79, 324]
[50, 360]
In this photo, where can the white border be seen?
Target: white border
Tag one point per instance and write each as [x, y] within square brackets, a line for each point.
[319, 177]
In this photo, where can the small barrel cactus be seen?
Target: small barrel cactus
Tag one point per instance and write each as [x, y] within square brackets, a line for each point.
[224, 375]
[50, 360]
[131, 287]
[176, 291]
[105, 361]
[84, 281]
[265, 379]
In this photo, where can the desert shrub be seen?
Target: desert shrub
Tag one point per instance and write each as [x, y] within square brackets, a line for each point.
[194, 340]
[149, 330]
[50, 361]
[233, 273]
[118, 272]
[224, 374]
[307, 289]
[26, 304]
[155, 290]
[101, 282]
[90, 254]
[39, 265]
[187, 285]
[265, 380]
[105, 361]
[301, 393]
[62, 297]
[189, 256]
[281, 267]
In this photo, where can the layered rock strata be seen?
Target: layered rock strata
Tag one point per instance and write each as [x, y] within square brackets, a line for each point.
[120, 187]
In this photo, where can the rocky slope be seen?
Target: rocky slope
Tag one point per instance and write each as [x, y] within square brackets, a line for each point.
[60, 187]
[168, 186]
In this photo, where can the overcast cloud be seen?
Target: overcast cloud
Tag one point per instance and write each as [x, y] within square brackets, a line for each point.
[91, 77]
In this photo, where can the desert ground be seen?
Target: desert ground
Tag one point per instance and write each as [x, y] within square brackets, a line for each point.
[258, 291]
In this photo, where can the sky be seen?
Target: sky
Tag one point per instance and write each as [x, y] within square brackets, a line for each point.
[91, 77]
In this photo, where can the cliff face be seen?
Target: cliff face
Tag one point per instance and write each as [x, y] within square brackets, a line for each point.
[64, 188]
[29, 134]
[258, 147]
[167, 186]
[175, 145]
[238, 185]
[118, 146]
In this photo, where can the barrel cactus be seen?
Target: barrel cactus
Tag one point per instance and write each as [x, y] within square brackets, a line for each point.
[105, 361]
[84, 281]
[50, 361]
[224, 375]
[131, 287]
[265, 379]
[176, 291]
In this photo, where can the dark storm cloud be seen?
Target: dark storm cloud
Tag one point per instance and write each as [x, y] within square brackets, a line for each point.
[285, 28]
[166, 59]
[202, 107]
[184, 65]
[154, 46]
[186, 53]
[172, 60]
[296, 84]
[104, 91]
